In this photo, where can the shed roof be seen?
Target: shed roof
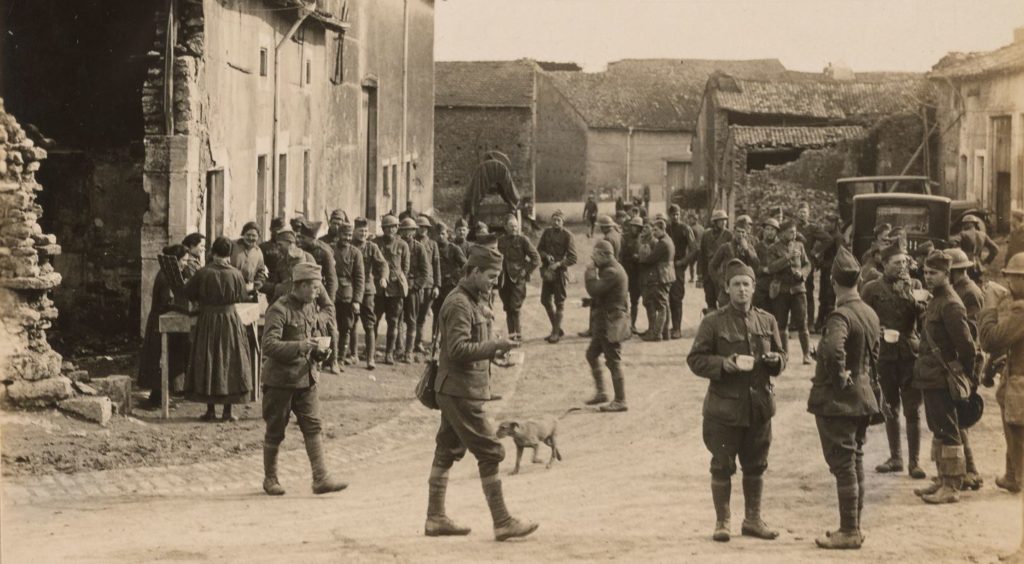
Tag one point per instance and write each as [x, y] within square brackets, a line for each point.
[802, 137]
[957, 65]
[493, 84]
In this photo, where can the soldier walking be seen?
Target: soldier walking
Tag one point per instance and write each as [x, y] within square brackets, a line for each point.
[590, 213]
[391, 293]
[432, 289]
[842, 396]
[420, 276]
[607, 287]
[557, 253]
[290, 375]
[658, 273]
[738, 348]
[714, 237]
[947, 352]
[974, 302]
[892, 298]
[375, 271]
[520, 260]
[348, 261]
[789, 266]
[463, 385]
[686, 248]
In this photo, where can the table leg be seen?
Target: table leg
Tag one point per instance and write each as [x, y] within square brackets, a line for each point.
[165, 368]
[256, 365]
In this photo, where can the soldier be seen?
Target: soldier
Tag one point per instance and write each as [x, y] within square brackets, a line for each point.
[686, 249]
[420, 276]
[1015, 241]
[738, 348]
[824, 253]
[290, 375]
[842, 396]
[520, 260]
[892, 298]
[463, 385]
[947, 352]
[452, 261]
[974, 302]
[769, 235]
[271, 252]
[872, 269]
[630, 245]
[590, 213]
[880, 241]
[809, 235]
[698, 235]
[739, 247]
[975, 242]
[611, 233]
[460, 233]
[324, 256]
[658, 273]
[376, 272]
[432, 288]
[391, 293]
[337, 218]
[789, 266]
[288, 256]
[557, 253]
[348, 261]
[713, 238]
[607, 286]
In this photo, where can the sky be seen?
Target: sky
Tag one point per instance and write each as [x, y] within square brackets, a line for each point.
[866, 35]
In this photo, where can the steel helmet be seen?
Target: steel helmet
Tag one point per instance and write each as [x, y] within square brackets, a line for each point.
[423, 221]
[605, 221]
[959, 258]
[407, 223]
[719, 214]
[1016, 265]
[389, 221]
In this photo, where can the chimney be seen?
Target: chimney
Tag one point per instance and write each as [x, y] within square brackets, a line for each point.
[1018, 35]
[839, 71]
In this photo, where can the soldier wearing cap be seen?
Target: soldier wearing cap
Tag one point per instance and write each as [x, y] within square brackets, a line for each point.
[432, 286]
[452, 261]
[809, 235]
[462, 387]
[337, 218]
[376, 272]
[824, 251]
[607, 286]
[557, 253]
[769, 235]
[974, 302]
[520, 260]
[738, 348]
[391, 295]
[460, 234]
[789, 266]
[630, 245]
[290, 375]
[714, 237]
[590, 213]
[739, 247]
[842, 396]
[420, 276]
[610, 232]
[980, 248]
[323, 254]
[686, 249]
[880, 241]
[892, 298]
[872, 268]
[348, 261]
[947, 353]
[288, 256]
[270, 249]
[656, 258]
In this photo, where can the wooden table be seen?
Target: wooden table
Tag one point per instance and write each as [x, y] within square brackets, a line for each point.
[251, 315]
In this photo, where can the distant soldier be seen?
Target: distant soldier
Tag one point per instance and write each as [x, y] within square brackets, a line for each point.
[391, 292]
[461, 231]
[892, 298]
[738, 348]
[348, 260]
[590, 213]
[842, 396]
[824, 253]
[789, 266]
[290, 376]
[714, 237]
[974, 302]
[698, 235]
[809, 234]
[520, 260]
[376, 272]
[323, 254]
[686, 248]
[337, 218]
[432, 287]
[271, 252]
[739, 247]
[557, 253]
[980, 248]
[656, 259]
[880, 241]
[872, 268]
[288, 256]
[769, 235]
[630, 245]
[611, 233]
[452, 261]
[463, 386]
[947, 351]
[420, 280]
[1015, 241]
[607, 287]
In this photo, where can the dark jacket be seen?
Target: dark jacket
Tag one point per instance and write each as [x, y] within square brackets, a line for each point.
[686, 247]
[324, 256]
[609, 308]
[520, 258]
[375, 266]
[420, 271]
[396, 253]
[736, 399]
[764, 277]
[791, 275]
[433, 261]
[288, 324]
[452, 261]
[727, 252]
[945, 323]
[557, 247]
[709, 244]
[896, 309]
[657, 262]
[848, 342]
[282, 272]
[464, 362]
[348, 263]
[614, 238]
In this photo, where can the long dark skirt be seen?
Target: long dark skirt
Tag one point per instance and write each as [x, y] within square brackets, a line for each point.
[220, 363]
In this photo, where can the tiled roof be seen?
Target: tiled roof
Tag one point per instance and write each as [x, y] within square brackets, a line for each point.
[493, 84]
[651, 94]
[953, 65]
[823, 98]
[805, 137]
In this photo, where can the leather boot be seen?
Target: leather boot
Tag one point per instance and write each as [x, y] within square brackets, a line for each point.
[556, 327]
[599, 395]
[438, 524]
[1010, 480]
[948, 491]
[505, 526]
[805, 346]
[270, 483]
[410, 336]
[721, 494]
[655, 324]
[848, 535]
[914, 449]
[972, 479]
[389, 345]
[322, 481]
[371, 350]
[517, 325]
[753, 525]
[619, 385]
[892, 433]
[551, 320]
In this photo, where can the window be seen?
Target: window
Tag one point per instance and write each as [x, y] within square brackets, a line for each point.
[387, 184]
[282, 183]
[261, 191]
[338, 76]
[263, 61]
[306, 204]
[913, 219]
[309, 71]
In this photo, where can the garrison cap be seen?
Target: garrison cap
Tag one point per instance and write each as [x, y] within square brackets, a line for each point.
[285, 233]
[440, 226]
[481, 227]
[890, 251]
[306, 271]
[484, 257]
[461, 222]
[423, 221]
[770, 222]
[389, 221]
[938, 260]
[736, 267]
[719, 214]
[845, 268]
[345, 228]
[310, 228]
[606, 221]
[276, 224]
[958, 258]
[361, 222]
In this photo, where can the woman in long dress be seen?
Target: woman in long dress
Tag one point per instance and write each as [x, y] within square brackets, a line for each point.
[149, 358]
[220, 363]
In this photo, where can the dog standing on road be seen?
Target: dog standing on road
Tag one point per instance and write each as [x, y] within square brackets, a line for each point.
[530, 434]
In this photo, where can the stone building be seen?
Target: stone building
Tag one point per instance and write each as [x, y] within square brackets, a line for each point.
[981, 117]
[625, 130]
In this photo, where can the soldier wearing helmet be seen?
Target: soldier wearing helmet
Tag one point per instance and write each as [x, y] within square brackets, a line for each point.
[714, 237]
[432, 286]
[980, 248]
[420, 279]
[391, 296]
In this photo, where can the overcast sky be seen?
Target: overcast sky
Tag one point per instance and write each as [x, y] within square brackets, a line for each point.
[804, 34]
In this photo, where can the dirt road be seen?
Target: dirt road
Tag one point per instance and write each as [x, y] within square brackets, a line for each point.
[633, 486]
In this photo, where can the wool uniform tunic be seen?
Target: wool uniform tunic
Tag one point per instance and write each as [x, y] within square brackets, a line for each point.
[520, 259]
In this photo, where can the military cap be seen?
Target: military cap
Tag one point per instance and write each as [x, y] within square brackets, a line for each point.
[481, 227]
[890, 251]
[658, 220]
[938, 260]
[970, 219]
[461, 222]
[296, 223]
[440, 226]
[924, 248]
[674, 208]
[423, 221]
[604, 245]
[285, 233]
[361, 222]
[339, 215]
[606, 221]
[305, 271]
[345, 227]
[958, 259]
[845, 268]
[310, 228]
[484, 257]
[719, 214]
[407, 223]
[736, 267]
[882, 228]
[1015, 265]
[743, 220]
[558, 213]
[276, 224]
[770, 222]
[389, 221]
[636, 221]
[788, 224]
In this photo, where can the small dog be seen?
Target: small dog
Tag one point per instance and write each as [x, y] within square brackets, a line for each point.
[529, 434]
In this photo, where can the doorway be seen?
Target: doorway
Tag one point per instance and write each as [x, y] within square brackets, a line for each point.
[1001, 166]
[369, 128]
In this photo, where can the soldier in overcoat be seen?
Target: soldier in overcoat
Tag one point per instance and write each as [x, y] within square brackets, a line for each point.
[557, 253]
[520, 260]
[608, 288]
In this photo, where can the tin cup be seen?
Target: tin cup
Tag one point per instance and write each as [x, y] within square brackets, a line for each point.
[745, 362]
[514, 358]
[921, 294]
[891, 335]
[323, 342]
[249, 287]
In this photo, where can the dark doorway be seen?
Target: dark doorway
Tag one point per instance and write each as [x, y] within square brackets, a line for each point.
[1001, 167]
[369, 107]
[759, 159]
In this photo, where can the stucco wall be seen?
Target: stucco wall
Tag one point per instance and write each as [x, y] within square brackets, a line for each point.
[647, 155]
[561, 146]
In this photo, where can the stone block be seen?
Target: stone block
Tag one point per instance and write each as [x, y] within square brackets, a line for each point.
[43, 282]
[95, 409]
[119, 389]
[79, 375]
[41, 393]
[34, 367]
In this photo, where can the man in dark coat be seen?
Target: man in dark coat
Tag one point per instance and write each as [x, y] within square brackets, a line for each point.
[432, 289]
[769, 235]
[608, 289]
[630, 245]
[714, 237]
[809, 236]
[740, 247]
[463, 385]
[738, 348]
[557, 253]
[974, 302]
[980, 248]
[391, 292]
[520, 260]
[590, 213]
[842, 396]
[322, 253]
[375, 270]
[789, 266]
[420, 276]
[656, 259]
[947, 351]
[452, 261]
[270, 250]
[824, 253]
[695, 225]
[686, 249]
[348, 261]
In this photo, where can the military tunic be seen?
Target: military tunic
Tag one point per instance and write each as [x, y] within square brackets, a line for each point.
[390, 298]
[433, 282]
[656, 258]
[608, 288]
[713, 239]
[557, 253]
[790, 305]
[375, 268]
[764, 277]
[348, 262]
[282, 273]
[520, 259]
[323, 255]
[1001, 327]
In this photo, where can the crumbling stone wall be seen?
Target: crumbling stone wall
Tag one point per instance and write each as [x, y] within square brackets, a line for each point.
[30, 370]
[810, 178]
